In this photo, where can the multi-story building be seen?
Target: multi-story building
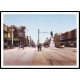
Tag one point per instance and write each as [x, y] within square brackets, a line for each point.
[57, 40]
[17, 38]
[21, 34]
[14, 37]
[68, 38]
[47, 42]
[72, 39]
[5, 34]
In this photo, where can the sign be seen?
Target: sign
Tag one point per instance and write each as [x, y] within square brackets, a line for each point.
[20, 33]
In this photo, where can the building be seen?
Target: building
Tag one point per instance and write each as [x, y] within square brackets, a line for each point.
[68, 38]
[5, 34]
[21, 34]
[27, 41]
[57, 40]
[47, 42]
[13, 35]
[72, 38]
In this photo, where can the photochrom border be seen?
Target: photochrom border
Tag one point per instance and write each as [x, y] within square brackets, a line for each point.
[40, 12]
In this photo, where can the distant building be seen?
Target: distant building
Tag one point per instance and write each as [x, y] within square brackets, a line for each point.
[46, 43]
[21, 34]
[57, 40]
[27, 41]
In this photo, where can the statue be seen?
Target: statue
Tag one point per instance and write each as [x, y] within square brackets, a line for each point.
[51, 34]
[52, 45]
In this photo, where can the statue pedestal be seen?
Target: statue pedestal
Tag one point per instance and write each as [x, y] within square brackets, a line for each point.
[52, 45]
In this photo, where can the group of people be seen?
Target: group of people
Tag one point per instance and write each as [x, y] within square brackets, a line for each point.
[39, 46]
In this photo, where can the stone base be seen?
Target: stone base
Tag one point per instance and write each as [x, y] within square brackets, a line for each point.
[52, 45]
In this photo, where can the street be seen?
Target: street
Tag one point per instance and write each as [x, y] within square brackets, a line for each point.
[47, 56]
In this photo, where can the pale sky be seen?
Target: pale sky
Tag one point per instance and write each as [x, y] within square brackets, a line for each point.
[57, 23]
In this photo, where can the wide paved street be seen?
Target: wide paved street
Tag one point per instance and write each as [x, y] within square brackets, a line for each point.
[31, 56]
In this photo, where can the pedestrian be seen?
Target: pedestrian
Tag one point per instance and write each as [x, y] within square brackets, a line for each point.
[21, 45]
[39, 46]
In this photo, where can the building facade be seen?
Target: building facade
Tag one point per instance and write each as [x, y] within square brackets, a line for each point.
[68, 38]
[5, 35]
[13, 34]
[21, 34]
[57, 40]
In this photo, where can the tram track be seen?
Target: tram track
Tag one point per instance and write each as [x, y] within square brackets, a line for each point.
[59, 62]
[51, 60]
[63, 52]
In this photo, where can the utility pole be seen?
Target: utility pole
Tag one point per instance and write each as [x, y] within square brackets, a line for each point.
[38, 34]
[12, 35]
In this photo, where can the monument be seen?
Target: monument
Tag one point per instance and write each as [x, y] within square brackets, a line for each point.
[52, 45]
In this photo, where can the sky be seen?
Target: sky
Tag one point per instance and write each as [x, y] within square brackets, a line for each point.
[58, 23]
